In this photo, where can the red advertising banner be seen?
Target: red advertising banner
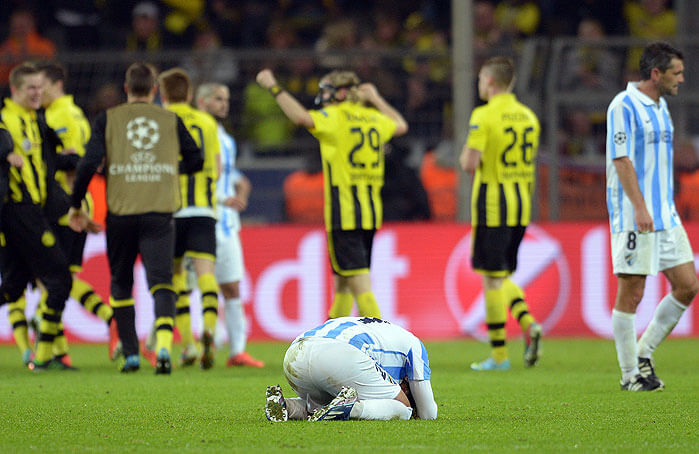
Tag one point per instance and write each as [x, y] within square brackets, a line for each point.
[421, 276]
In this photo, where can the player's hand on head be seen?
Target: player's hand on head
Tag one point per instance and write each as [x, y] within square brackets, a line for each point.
[69, 151]
[266, 78]
[368, 92]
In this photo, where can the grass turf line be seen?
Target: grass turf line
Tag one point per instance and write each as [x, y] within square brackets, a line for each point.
[569, 402]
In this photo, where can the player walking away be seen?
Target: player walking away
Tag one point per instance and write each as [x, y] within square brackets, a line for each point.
[29, 248]
[352, 124]
[355, 368]
[232, 193]
[647, 235]
[195, 222]
[501, 150]
[142, 146]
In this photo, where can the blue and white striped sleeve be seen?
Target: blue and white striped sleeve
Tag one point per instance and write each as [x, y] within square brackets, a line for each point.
[619, 133]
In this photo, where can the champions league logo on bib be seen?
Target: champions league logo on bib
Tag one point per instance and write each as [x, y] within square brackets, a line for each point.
[142, 133]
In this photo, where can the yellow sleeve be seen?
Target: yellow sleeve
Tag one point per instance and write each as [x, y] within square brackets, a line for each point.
[325, 123]
[387, 128]
[477, 131]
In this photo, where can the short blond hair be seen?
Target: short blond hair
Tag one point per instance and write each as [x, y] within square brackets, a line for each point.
[175, 85]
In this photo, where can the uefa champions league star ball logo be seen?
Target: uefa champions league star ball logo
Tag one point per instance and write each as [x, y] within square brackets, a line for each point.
[142, 133]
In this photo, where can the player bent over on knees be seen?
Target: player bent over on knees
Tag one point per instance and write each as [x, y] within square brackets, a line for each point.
[354, 368]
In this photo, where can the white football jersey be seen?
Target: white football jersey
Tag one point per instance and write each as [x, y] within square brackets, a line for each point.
[228, 218]
[642, 130]
[396, 350]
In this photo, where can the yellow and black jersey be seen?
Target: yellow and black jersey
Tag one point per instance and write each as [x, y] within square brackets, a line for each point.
[27, 184]
[352, 138]
[71, 126]
[506, 132]
[199, 189]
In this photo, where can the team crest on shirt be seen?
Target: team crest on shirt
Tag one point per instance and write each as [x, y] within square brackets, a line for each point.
[47, 239]
[142, 133]
[620, 138]
[630, 258]
[26, 144]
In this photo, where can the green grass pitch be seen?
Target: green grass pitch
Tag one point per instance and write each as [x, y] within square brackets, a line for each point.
[569, 402]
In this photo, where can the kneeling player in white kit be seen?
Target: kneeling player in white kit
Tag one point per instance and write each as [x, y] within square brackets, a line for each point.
[353, 368]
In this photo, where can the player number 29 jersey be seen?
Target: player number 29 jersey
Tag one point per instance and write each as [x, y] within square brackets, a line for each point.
[396, 350]
[352, 139]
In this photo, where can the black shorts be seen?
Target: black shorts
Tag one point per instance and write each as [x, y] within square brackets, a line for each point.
[195, 237]
[31, 251]
[153, 236]
[73, 245]
[350, 251]
[494, 249]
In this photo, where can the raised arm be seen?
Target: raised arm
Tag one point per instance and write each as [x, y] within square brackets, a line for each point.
[289, 105]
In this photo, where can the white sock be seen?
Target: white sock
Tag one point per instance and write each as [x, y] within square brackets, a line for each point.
[666, 316]
[380, 409]
[296, 407]
[236, 325]
[625, 339]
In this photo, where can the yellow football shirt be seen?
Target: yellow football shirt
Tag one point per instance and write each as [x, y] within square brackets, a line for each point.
[352, 139]
[28, 183]
[71, 126]
[199, 189]
[506, 132]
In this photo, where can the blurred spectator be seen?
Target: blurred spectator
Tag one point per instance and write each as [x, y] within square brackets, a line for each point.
[303, 192]
[577, 141]
[300, 79]
[145, 33]
[518, 18]
[387, 28]
[563, 18]
[182, 19]
[81, 24]
[307, 17]
[23, 43]
[404, 197]
[421, 36]
[107, 96]
[440, 180]
[263, 122]
[339, 35]
[256, 14]
[649, 19]
[209, 61]
[225, 16]
[489, 38]
[590, 65]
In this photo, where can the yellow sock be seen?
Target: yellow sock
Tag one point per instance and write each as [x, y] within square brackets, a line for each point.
[495, 318]
[163, 333]
[83, 293]
[342, 305]
[514, 296]
[48, 329]
[60, 343]
[18, 320]
[366, 303]
[183, 320]
[209, 300]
